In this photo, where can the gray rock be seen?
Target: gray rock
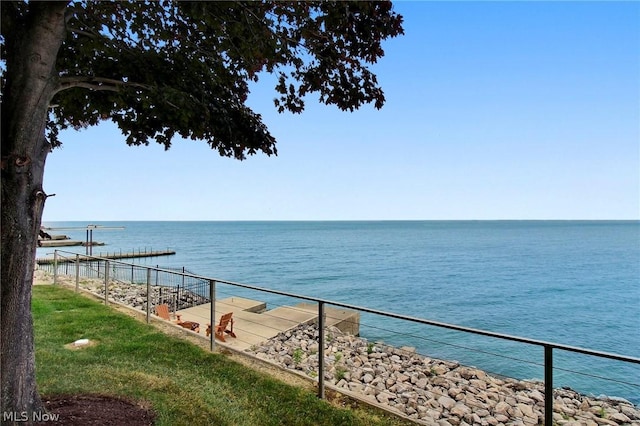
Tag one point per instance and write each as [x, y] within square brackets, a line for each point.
[446, 402]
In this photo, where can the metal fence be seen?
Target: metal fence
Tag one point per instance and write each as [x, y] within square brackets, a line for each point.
[147, 287]
[178, 288]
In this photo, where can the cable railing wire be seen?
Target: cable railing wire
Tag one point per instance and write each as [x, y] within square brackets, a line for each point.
[427, 322]
[476, 350]
[426, 339]
[595, 376]
[495, 374]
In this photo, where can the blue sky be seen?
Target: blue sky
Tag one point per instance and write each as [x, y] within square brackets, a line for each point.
[495, 110]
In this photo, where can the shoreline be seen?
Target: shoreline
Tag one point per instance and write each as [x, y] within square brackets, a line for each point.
[426, 390]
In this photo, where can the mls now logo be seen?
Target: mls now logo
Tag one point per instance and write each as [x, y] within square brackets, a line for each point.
[23, 416]
[15, 416]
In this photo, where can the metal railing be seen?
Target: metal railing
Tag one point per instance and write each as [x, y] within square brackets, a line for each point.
[184, 289]
[178, 288]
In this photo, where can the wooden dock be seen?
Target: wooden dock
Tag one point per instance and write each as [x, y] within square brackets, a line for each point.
[254, 324]
[110, 256]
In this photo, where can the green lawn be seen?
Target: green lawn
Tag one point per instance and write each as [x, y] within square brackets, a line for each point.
[185, 384]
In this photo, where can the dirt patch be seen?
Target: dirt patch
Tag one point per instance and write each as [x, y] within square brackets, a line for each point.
[95, 410]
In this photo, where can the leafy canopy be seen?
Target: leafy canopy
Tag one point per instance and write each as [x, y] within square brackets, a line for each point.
[161, 68]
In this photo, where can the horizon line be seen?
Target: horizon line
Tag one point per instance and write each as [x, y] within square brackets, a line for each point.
[345, 220]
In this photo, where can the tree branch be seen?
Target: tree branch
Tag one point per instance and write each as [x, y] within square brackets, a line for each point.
[91, 35]
[96, 83]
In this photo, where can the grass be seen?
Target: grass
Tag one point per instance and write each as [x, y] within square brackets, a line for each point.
[183, 383]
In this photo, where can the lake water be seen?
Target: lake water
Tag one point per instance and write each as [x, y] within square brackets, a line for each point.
[570, 282]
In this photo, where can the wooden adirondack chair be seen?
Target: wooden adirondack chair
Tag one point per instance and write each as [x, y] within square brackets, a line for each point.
[163, 312]
[225, 321]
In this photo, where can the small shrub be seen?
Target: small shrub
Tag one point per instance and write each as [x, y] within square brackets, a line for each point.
[602, 413]
[297, 356]
[340, 373]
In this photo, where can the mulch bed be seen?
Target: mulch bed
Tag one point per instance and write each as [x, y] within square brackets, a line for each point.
[96, 410]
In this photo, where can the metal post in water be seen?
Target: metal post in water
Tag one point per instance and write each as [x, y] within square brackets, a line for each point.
[548, 385]
[77, 272]
[321, 350]
[212, 299]
[106, 282]
[148, 295]
[55, 267]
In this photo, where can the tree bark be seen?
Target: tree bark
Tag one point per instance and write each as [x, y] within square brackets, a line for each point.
[32, 47]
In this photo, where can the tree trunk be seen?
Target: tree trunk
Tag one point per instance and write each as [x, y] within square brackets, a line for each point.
[32, 45]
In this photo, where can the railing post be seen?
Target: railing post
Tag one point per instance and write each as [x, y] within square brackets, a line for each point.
[55, 267]
[148, 295]
[548, 385]
[106, 282]
[176, 296]
[77, 272]
[212, 299]
[321, 350]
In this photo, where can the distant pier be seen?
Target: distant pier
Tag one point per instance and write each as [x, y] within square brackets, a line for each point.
[111, 256]
[65, 243]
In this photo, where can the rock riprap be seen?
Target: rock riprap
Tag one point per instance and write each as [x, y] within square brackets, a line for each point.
[433, 391]
[134, 295]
